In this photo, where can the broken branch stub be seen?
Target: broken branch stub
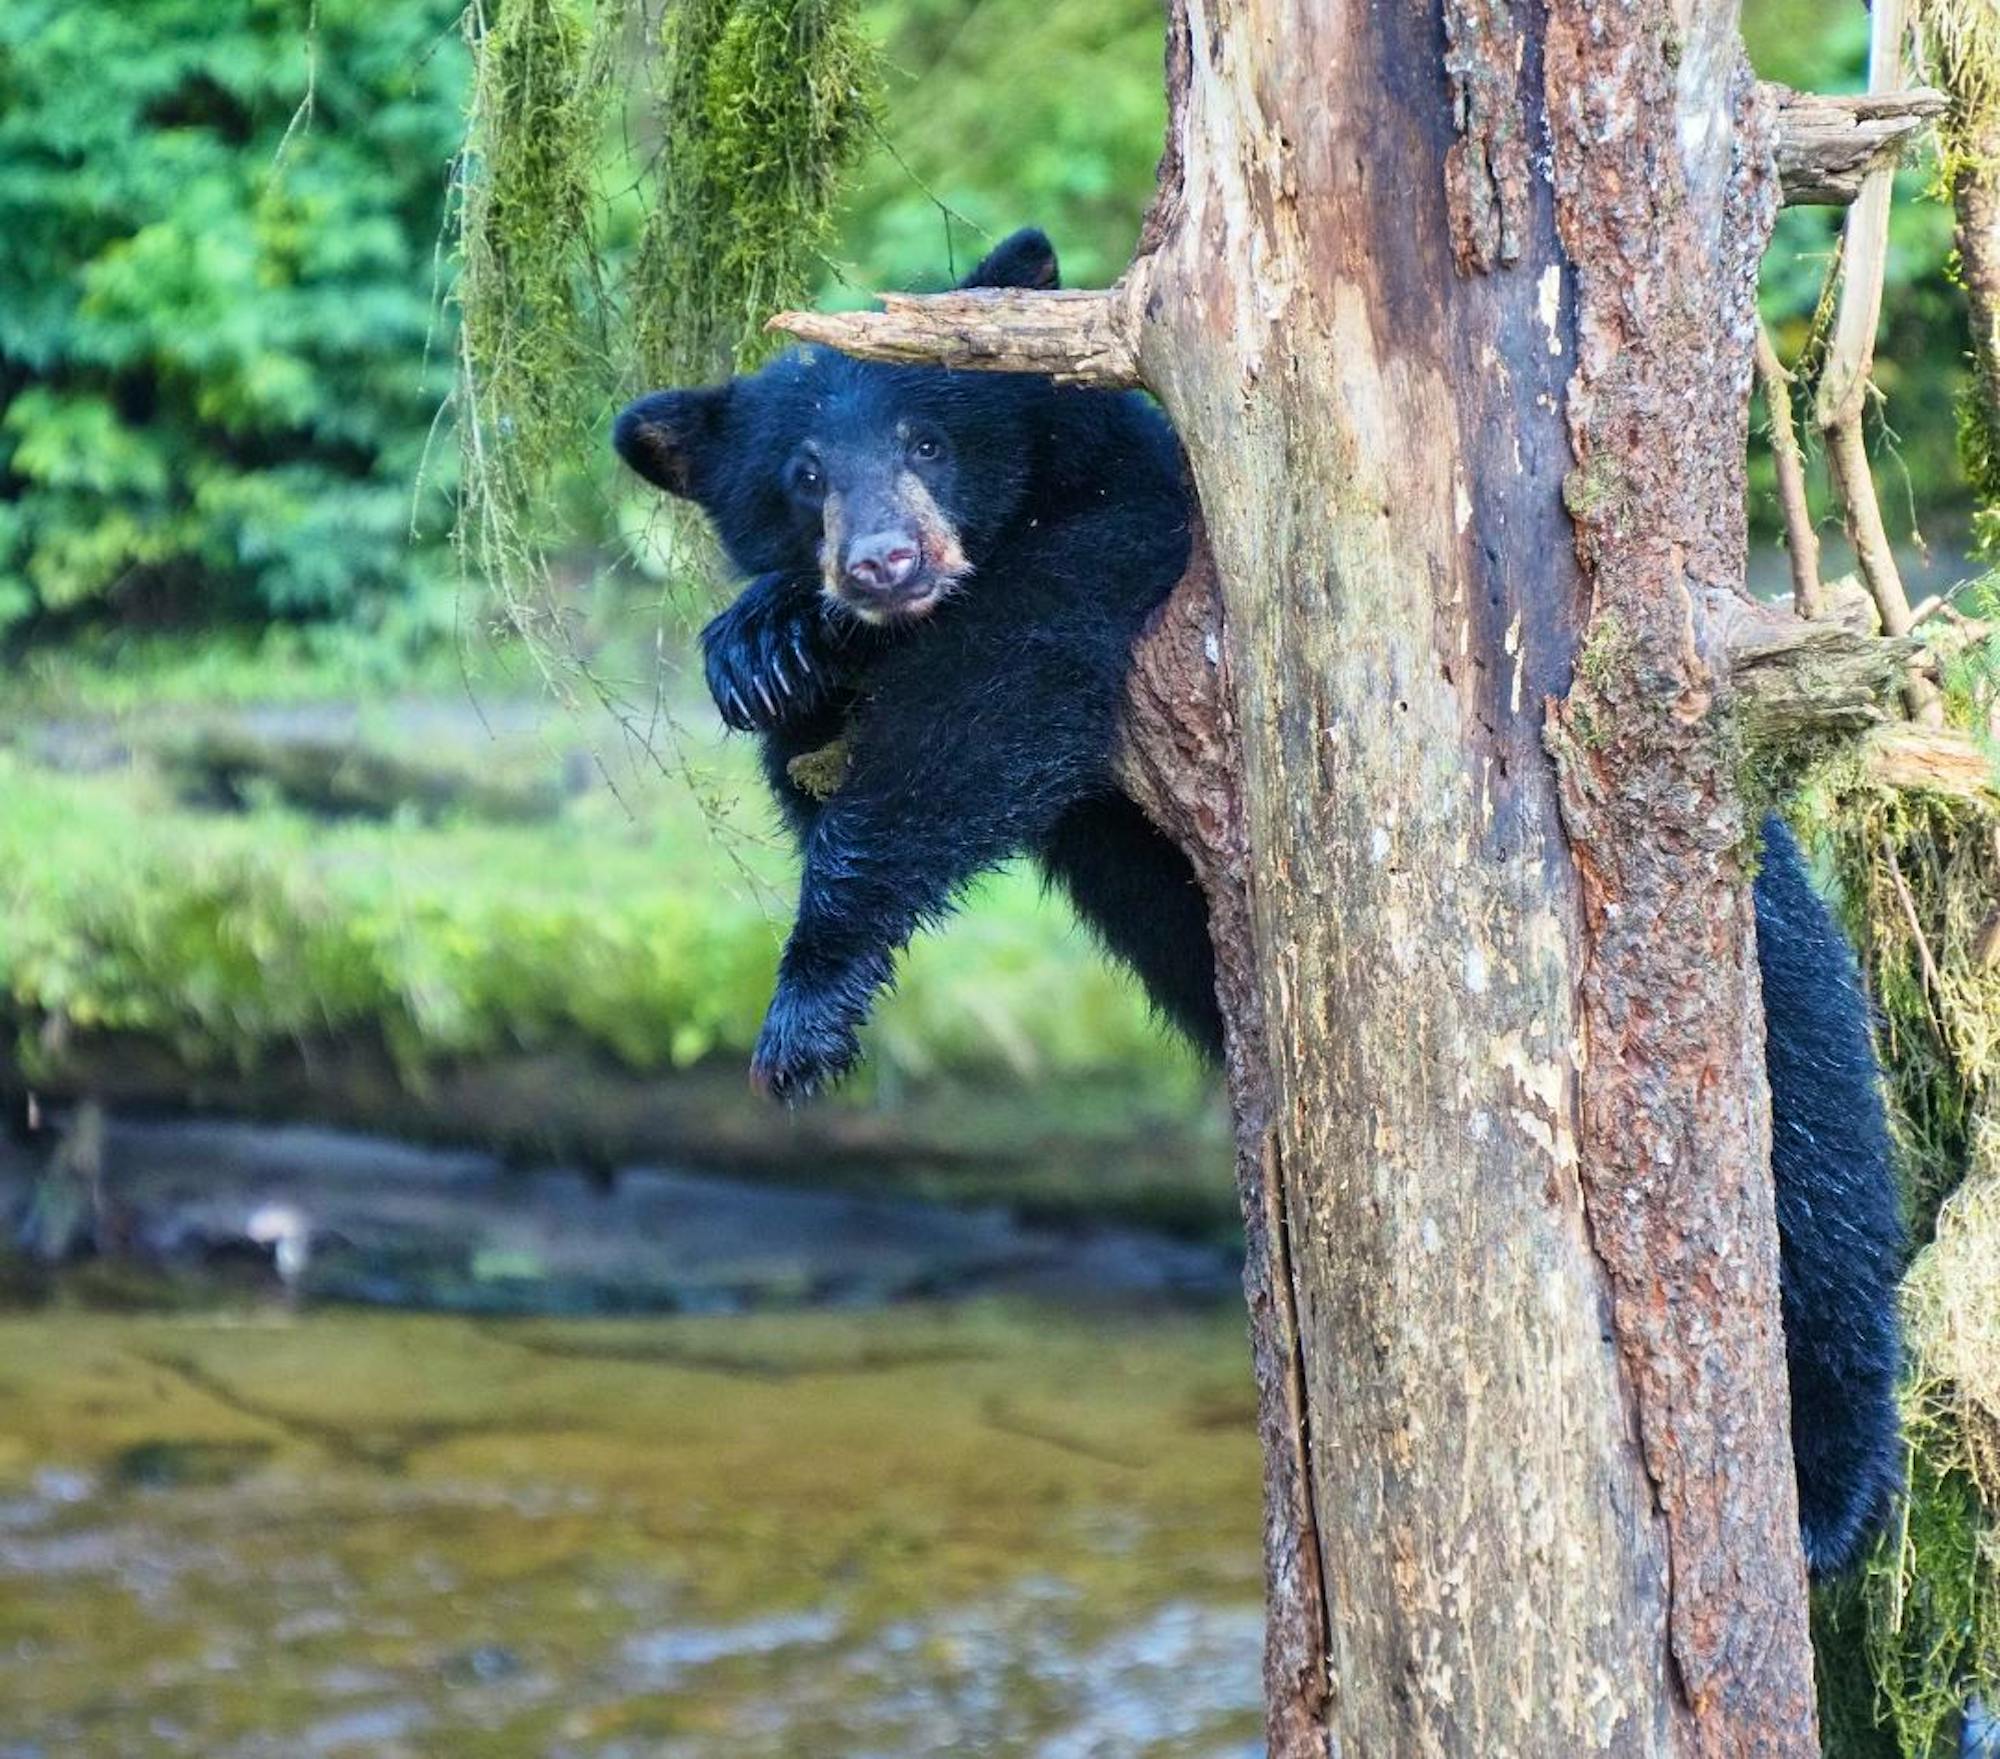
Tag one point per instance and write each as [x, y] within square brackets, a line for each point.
[1828, 145]
[1796, 681]
[1078, 338]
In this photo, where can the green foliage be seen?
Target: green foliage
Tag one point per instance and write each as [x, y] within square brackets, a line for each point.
[226, 938]
[121, 672]
[214, 304]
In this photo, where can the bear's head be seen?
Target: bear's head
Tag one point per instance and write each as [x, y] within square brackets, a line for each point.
[891, 483]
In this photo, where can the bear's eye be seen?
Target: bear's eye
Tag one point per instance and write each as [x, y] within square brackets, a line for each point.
[927, 450]
[806, 479]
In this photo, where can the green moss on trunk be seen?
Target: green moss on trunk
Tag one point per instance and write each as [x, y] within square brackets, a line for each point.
[1902, 1646]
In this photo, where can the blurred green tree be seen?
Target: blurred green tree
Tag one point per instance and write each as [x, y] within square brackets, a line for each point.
[217, 289]
[1008, 113]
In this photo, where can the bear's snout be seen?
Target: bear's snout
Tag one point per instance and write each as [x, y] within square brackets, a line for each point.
[884, 563]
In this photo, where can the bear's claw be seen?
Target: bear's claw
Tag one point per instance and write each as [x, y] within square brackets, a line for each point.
[806, 1046]
[744, 652]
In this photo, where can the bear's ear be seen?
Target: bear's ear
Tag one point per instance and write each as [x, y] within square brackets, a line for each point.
[1026, 259]
[665, 436]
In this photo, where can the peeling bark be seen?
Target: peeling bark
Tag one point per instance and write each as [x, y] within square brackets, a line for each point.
[1486, 168]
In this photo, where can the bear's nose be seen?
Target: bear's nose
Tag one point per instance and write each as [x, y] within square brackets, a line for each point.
[882, 563]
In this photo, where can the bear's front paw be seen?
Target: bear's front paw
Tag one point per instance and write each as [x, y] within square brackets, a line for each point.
[766, 664]
[807, 1044]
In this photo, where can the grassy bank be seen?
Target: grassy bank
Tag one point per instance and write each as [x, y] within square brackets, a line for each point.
[636, 921]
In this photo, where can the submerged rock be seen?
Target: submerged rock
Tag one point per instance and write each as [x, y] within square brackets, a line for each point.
[334, 1215]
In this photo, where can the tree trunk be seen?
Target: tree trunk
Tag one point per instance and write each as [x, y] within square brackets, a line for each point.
[1457, 331]
[1518, 1088]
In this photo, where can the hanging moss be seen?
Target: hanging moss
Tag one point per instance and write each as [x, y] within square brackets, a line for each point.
[531, 340]
[764, 106]
[759, 107]
[1901, 1647]
[527, 238]
[1963, 37]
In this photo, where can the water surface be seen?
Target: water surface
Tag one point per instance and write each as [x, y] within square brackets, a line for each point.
[996, 1527]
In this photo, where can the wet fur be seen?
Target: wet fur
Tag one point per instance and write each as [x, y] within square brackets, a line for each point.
[986, 730]
[1840, 1233]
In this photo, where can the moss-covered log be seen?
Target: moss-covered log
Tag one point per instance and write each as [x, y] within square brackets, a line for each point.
[234, 767]
[1085, 1149]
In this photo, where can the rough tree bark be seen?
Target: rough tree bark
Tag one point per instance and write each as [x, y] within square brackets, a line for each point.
[1976, 198]
[1457, 329]
[1964, 36]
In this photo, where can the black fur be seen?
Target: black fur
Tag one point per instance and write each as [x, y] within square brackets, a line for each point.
[985, 728]
[1840, 1234]
[992, 734]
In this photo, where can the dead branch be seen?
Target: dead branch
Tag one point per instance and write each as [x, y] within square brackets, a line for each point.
[1078, 338]
[1827, 146]
[1845, 381]
[1801, 541]
[1935, 760]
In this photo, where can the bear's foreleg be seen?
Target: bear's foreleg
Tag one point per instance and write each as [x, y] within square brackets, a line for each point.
[780, 653]
[968, 752]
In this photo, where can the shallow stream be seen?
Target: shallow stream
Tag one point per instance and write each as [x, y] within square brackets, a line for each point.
[1008, 1524]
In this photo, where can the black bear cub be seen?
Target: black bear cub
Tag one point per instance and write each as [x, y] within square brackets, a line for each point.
[948, 573]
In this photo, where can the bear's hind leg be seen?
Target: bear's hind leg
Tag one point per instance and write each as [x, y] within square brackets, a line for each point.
[1140, 896]
[1840, 1237]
